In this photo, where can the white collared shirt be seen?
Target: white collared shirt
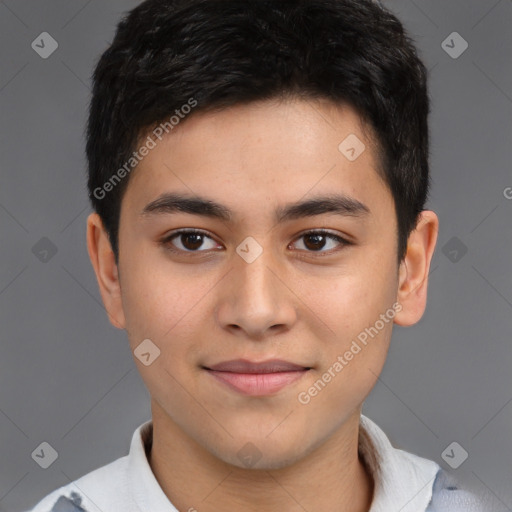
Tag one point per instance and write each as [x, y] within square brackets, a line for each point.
[402, 481]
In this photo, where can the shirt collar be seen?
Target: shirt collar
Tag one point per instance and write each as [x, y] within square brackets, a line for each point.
[402, 481]
[144, 486]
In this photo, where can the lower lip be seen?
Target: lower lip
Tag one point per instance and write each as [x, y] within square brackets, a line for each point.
[258, 384]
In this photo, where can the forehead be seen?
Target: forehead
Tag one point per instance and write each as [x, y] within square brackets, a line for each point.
[261, 153]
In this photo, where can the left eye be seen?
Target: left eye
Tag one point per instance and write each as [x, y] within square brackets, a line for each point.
[192, 240]
[318, 240]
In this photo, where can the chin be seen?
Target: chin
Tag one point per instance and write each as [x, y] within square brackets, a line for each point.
[259, 453]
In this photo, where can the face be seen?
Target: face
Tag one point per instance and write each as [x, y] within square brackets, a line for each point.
[262, 276]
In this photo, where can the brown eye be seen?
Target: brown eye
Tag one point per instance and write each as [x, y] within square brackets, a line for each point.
[188, 241]
[191, 241]
[315, 241]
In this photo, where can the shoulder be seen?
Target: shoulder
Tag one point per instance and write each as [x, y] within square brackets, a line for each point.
[96, 491]
[451, 495]
[63, 503]
[398, 474]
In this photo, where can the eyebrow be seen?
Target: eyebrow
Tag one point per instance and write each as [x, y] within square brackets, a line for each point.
[339, 204]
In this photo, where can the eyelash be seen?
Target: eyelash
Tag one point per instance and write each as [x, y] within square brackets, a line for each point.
[166, 241]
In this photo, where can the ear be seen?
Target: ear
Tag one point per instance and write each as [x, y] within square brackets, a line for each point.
[414, 269]
[105, 267]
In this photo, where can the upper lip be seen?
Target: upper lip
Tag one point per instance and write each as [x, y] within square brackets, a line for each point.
[246, 366]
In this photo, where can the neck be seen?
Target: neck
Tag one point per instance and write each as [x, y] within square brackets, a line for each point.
[331, 477]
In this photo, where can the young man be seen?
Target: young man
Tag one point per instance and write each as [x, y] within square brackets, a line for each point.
[258, 171]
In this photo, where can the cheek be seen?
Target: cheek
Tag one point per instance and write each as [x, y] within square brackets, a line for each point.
[161, 302]
[163, 306]
[347, 303]
[352, 305]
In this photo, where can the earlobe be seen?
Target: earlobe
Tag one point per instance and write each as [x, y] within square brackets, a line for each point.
[414, 269]
[106, 270]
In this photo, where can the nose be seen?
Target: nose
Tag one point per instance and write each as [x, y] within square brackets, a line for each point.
[255, 299]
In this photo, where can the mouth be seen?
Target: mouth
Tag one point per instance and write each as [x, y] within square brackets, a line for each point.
[257, 379]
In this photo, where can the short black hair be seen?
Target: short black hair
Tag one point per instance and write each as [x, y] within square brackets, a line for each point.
[212, 54]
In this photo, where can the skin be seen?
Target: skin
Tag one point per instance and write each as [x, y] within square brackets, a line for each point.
[290, 303]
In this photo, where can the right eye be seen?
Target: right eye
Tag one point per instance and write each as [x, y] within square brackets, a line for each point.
[189, 239]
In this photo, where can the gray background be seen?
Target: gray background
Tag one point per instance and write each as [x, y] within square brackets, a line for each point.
[67, 376]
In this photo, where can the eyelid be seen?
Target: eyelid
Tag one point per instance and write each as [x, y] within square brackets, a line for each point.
[166, 239]
[341, 240]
